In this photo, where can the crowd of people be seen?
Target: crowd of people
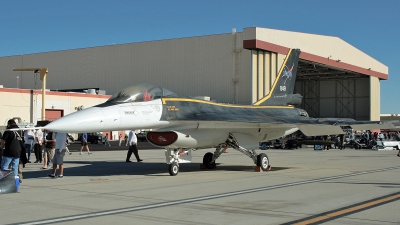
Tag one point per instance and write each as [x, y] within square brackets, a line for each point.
[48, 147]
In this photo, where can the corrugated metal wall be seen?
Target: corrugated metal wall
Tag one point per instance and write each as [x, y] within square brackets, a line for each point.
[346, 98]
[375, 98]
[215, 66]
[265, 68]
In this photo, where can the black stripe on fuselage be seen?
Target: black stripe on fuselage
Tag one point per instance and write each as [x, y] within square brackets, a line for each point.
[107, 104]
[200, 110]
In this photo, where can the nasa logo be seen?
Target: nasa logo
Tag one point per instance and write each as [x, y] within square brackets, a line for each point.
[288, 73]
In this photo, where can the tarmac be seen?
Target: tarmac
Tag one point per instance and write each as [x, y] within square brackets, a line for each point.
[305, 187]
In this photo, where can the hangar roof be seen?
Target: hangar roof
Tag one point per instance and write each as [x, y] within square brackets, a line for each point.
[320, 55]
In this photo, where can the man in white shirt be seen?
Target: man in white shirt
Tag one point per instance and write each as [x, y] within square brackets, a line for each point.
[132, 141]
[28, 139]
[120, 139]
[37, 145]
[58, 159]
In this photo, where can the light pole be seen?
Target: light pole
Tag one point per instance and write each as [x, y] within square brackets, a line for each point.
[43, 73]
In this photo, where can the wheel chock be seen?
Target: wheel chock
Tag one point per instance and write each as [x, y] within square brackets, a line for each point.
[258, 168]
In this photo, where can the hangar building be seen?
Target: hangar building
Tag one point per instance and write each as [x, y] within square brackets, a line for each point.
[335, 78]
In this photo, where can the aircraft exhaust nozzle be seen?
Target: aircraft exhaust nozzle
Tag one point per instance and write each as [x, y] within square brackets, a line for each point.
[295, 99]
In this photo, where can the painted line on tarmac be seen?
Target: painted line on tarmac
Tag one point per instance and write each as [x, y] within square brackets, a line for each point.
[341, 212]
[190, 200]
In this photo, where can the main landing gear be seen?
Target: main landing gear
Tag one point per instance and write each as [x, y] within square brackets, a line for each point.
[176, 156]
[261, 160]
[208, 160]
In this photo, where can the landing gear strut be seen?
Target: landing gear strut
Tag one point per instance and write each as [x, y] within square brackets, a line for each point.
[261, 160]
[174, 157]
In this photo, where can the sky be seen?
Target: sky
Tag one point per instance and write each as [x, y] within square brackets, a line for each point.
[372, 26]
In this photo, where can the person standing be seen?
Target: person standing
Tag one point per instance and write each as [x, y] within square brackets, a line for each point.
[120, 139]
[398, 147]
[22, 159]
[28, 139]
[50, 144]
[84, 143]
[37, 145]
[106, 142]
[12, 151]
[132, 141]
[58, 158]
[380, 135]
[66, 147]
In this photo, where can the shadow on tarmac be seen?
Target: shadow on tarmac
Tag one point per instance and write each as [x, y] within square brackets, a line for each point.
[104, 168]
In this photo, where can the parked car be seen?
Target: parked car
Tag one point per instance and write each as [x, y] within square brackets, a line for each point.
[142, 136]
[70, 138]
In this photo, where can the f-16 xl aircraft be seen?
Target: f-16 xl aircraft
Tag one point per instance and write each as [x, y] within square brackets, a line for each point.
[183, 124]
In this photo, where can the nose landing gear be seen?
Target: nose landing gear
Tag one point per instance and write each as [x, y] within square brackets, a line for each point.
[173, 169]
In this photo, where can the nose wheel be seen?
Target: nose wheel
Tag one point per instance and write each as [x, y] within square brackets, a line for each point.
[173, 169]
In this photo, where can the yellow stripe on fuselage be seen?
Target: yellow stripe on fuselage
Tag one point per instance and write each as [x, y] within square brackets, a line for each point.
[165, 100]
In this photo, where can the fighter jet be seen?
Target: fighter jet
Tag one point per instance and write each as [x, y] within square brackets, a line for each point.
[183, 124]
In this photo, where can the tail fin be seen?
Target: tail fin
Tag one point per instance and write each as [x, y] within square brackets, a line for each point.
[282, 91]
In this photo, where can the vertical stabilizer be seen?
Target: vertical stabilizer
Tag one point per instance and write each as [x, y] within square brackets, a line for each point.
[282, 91]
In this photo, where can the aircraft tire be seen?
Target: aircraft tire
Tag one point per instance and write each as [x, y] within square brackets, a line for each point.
[263, 161]
[207, 160]
[173, 169]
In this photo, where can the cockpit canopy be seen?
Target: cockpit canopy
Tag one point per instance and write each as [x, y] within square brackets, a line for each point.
[140, 92]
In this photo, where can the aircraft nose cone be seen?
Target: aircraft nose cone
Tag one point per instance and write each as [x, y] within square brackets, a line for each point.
[88, 120]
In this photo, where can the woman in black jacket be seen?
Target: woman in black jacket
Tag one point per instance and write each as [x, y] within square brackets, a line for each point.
[12, 151]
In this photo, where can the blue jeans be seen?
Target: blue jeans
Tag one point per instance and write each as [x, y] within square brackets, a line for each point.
[28, 150]
[6, 161]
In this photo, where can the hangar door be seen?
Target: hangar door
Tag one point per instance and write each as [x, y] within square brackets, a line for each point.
[326, 91]
[339, 98]
[53, 114]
